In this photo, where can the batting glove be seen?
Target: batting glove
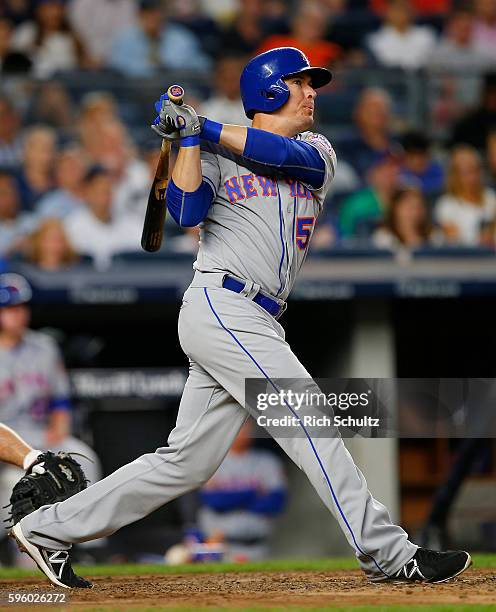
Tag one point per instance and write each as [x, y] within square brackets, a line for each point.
[180, 118]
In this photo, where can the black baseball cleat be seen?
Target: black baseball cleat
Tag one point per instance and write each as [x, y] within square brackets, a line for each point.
[55, 564]
[432, 566]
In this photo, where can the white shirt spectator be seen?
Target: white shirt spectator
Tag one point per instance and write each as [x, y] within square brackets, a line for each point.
[100, 240]
[223, 110]
[97, 21]
[448, 55]
[131, 190]
[11, 232]
[410, 49]
[58, 51]
[466, 216]
[59, 204]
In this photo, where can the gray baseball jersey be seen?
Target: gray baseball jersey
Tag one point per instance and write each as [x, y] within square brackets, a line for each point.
[261, 222]
[258, 229]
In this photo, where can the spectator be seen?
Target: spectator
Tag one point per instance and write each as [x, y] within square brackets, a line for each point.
[474, 128]
[225, 105]
[49, 247]
[10, 135]
[363, 211]
[48, 40]
[39, 409]
[35, 178]
[457, 50]
[457, 66]
[242, 498]
[407, 222]
[97, 21]
[308, 28]
[52, 106]
[152, 44]
[467, 208]
[485, 28]
[106, 142]
[70, 168]
[97, 109]
[399, 43]
[418, 167]
[11, 62]
[191, 15]
[114, 151]
[245, 33]
[94, 230]
[491, 158]
[371, 139]
[18, 11]
[13, 225]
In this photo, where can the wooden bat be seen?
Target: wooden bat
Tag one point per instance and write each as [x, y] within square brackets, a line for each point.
[153, 226]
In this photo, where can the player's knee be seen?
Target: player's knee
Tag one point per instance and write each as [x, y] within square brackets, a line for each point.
[194, 472]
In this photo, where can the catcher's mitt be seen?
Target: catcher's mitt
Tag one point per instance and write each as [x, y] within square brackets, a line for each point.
[53, 477]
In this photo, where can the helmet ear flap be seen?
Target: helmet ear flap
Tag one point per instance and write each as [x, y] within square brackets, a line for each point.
[277, 93]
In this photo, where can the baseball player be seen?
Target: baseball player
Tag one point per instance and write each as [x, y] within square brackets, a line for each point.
[34, 387]
[257, 192]
[241, 500]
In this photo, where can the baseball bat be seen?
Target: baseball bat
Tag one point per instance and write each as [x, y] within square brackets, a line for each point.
[156, 209]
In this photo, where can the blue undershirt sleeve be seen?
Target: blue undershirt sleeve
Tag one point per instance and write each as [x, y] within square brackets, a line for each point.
[297, 159]
[189, 208]
[59, 403]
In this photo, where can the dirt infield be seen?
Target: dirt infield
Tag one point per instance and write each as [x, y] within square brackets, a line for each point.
[303, 589]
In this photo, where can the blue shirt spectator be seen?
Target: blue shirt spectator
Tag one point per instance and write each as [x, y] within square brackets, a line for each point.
[152, 44]
[418, 169]
[371, 140]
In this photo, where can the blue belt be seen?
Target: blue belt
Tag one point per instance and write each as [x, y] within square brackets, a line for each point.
[267, 303]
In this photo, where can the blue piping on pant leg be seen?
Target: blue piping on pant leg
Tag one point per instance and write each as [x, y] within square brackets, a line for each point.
[304, 429]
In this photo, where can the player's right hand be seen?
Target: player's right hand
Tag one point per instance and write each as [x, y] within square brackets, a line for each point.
[180, 118]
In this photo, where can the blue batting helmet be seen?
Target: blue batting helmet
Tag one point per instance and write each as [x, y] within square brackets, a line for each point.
[14, 289]
[262, 81]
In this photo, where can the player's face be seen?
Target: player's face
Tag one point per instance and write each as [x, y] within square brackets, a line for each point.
[14, 320]
[301, 103]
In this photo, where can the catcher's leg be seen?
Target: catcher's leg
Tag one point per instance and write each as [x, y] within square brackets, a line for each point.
[207, 423]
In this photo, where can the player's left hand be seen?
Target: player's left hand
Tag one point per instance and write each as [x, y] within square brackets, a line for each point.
[175, 121]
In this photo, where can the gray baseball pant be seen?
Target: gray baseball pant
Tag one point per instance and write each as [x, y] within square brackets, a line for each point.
[227, 338]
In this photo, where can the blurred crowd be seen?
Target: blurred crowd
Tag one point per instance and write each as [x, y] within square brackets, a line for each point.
[75, 168]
